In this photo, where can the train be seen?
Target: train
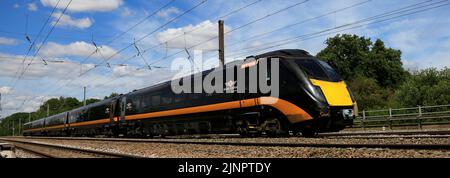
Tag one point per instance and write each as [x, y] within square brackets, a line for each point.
[313, 98]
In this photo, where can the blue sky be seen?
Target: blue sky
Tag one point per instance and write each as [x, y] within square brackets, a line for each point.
[423, 37]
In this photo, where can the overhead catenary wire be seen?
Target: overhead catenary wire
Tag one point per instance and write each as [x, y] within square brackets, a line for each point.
[222, 16]
[400, 10]
[131, 28]
[84, 37]
[383, 15]
[387, 19]
[145, 36]
[300, 22]
[240, 27]
[198, 27]
[40, 46]
[45, 40]
[140, 39]
[194, 29]
[118, 36]
[149, 34]
[312, 36]
[235, 29]
[33, 42]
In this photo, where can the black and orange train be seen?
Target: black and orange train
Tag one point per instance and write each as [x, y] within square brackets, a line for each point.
[312, 98]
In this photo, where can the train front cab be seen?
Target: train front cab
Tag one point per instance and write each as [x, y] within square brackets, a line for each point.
[323, 94]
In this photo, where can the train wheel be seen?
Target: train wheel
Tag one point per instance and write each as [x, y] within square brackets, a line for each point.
[243, 129]
[309, 133]
[243, 132]
[273, 128]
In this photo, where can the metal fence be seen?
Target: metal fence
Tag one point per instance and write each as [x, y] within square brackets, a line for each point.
[415, 116]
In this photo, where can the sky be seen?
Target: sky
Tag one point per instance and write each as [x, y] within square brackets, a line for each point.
[47, 52]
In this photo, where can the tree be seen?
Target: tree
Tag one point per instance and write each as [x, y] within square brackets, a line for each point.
[92, 100]
[346, 53]
[353, 56]
[370, 95]
[112, 95]
[372, 70]
[56, 106]
[426, 87]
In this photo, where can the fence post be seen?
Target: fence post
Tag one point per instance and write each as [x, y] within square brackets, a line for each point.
[419, 118]
[390, 118]
[363, 120]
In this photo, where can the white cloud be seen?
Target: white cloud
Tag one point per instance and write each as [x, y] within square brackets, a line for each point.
[16, 6]
[85, 5]
[122, 70]
[438, 59]
[79, 48]
[23, 103]
[203, 32]
[8, 41]
[32, 7]
[9, 64]
[166, 13]
[126, 12]
[66, 20]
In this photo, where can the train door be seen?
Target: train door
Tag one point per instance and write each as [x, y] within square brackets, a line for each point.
[112, 112]
[250, 71]
[248, 122]
[123, 107]
[66, 124]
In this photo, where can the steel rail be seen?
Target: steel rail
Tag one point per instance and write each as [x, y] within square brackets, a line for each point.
[264, 144]
[429, 132]
[386, 136]
[73, 149]
[33, 151]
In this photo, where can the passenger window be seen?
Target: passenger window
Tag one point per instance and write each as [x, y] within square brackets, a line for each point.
[156, 100]
[167, 98]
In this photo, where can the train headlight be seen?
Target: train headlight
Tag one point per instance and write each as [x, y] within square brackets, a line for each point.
[348, 113]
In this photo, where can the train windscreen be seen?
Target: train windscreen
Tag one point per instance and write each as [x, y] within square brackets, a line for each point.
[318, 69]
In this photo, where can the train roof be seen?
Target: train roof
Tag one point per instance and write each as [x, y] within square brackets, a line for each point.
[285, 52]
[278, 53]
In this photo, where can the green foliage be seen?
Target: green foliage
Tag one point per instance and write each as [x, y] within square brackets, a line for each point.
[92, 100]
[14, 120]
[112, 95]
[427, 87]
[354, 56]
[369, 95]
[372, 70]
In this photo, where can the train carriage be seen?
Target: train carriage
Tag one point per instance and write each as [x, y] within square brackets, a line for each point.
[312, 98]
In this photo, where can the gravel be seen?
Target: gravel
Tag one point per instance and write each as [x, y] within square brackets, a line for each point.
[167, 150]
[24, 154]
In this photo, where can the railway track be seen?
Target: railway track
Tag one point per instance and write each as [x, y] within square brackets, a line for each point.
[36, 149]
[40, 154]
[387, 136]
[261, 144]
[402, 133]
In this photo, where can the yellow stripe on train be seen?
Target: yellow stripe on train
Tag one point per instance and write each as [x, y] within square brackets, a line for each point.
[336, 93]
